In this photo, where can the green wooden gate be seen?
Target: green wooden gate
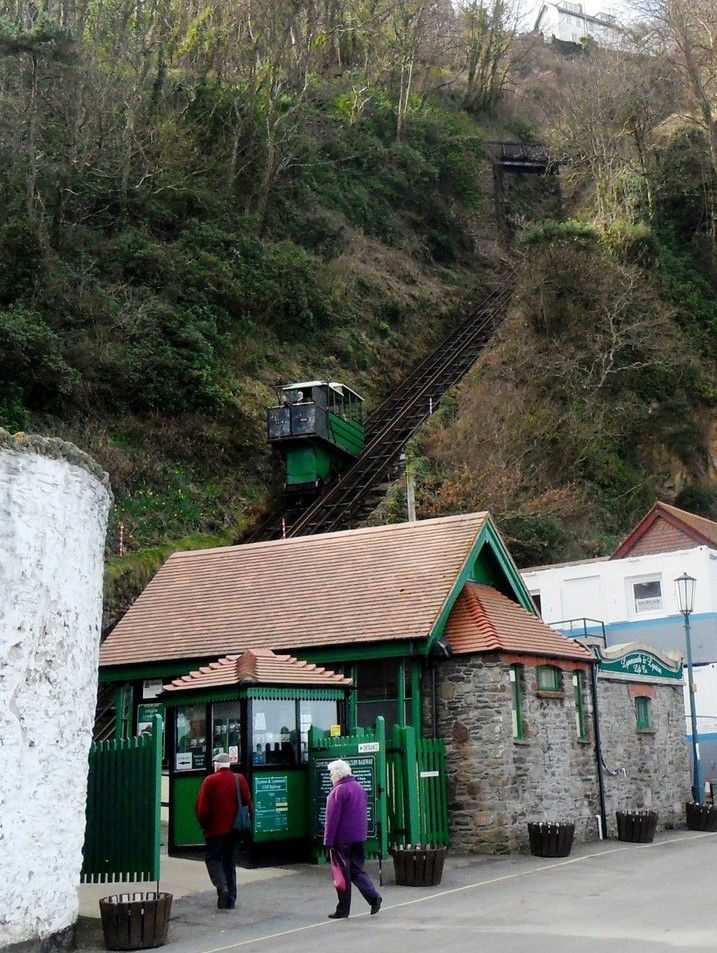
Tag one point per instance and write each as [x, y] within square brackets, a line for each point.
[416, 789]
[405, 781]
[365, 750]
[123, 814]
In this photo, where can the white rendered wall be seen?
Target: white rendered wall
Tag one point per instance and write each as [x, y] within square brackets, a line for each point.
[54, 503]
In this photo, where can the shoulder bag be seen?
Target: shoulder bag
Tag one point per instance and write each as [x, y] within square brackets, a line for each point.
[242, 820]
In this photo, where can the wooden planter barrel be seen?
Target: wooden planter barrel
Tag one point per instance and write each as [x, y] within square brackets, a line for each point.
[551, 840]
[638, 827]
[135, 921]
[701, 817]
[418, 866]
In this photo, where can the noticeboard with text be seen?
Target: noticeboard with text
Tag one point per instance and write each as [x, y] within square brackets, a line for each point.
[363, 768]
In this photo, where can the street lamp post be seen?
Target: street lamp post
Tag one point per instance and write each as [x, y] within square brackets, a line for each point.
[686, 600]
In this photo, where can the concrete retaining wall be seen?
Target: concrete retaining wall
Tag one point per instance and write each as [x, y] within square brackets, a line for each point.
[54, 504]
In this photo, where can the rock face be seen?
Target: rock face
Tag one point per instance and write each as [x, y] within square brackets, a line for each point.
[54, 504]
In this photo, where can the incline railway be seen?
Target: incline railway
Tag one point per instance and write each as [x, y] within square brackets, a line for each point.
[388, 429]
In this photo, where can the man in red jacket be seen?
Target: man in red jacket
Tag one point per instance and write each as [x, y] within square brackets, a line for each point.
[216, 809]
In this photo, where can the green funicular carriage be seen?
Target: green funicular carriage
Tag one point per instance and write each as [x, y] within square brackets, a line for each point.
[318, 428]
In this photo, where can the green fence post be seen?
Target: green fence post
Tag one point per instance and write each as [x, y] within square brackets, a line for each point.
[410, 785]
[381, 789]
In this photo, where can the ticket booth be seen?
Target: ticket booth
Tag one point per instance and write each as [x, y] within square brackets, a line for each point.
[258, 707]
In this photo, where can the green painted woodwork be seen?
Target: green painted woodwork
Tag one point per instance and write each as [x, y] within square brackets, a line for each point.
[307, 462]
[185, 831]
[365, 750]
[348, 434]
[280, 809]
[123, 809]
[406, 783]
[285, 692]
[416, 695]
[417, 795]
[236, 692]
[489, 563]
[359, 652]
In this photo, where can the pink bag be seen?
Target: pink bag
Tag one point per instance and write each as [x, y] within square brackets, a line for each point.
[337, 870]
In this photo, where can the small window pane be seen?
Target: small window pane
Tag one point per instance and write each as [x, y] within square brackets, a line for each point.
[226, 729]
[642, 712]
[515, 702]
[190, 738]
[317, 714]
[648, 595]
[579, 711]
[548, 678]
[274, 731]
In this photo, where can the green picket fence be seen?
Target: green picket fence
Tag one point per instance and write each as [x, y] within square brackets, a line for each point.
[416, 789]
[123, 814]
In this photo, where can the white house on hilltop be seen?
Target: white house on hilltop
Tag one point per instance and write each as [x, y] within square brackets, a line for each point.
[568, 21]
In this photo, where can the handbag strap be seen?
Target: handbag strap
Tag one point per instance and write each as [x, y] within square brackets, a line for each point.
[239, 800]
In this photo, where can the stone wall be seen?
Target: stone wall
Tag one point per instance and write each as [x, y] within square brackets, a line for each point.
[646, 770]
[54, 504]
[496, 785]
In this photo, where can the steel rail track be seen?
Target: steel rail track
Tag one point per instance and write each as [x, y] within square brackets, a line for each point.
[391, 425]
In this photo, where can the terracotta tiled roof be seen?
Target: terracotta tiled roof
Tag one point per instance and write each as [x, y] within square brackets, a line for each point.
[381, 583]
[258, 667]
[666, 529]
[484, 620]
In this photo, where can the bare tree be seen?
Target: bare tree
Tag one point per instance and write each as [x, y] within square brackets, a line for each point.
[486, 31]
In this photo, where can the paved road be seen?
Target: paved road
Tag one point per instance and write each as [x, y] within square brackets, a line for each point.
[607, 897]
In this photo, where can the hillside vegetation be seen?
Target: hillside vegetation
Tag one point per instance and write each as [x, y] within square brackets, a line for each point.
[201, 202]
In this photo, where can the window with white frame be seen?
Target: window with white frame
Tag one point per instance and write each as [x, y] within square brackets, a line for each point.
[647, 595]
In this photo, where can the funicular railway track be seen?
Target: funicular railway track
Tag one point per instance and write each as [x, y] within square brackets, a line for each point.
[391, 425]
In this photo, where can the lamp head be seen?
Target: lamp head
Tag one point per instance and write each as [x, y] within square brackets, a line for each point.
[685, 586]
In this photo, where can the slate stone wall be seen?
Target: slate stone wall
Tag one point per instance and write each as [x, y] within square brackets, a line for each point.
[496, 785]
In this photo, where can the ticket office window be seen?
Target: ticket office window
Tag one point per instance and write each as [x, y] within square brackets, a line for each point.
[319, 714]
[274, 724]
[281, 728]
[190, 738]
[226, 729]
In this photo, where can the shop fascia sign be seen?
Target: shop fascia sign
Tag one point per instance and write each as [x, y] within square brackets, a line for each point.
[640, 664]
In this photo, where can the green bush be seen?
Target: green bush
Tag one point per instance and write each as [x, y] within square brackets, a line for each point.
[573, 231]
[634, 244]
[34, 364]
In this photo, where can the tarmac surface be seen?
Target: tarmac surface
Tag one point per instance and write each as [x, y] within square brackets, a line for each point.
[606, 897]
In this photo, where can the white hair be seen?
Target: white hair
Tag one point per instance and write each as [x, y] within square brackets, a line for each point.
[340, 768]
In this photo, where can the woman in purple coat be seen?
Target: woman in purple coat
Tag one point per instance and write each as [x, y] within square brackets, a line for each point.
[345, 831]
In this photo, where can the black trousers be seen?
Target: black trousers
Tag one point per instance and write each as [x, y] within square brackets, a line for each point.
[221, 860]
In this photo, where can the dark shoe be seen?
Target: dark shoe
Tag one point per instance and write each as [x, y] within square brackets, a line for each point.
[376, 905]
[223, 900]
[338, 916]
